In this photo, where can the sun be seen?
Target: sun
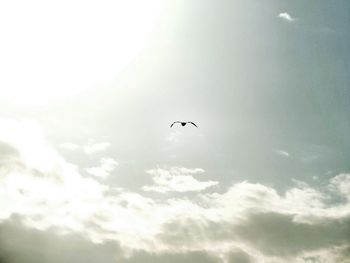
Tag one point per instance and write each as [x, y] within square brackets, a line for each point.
[53, 49]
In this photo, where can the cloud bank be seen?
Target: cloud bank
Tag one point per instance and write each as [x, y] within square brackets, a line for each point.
[74, 218]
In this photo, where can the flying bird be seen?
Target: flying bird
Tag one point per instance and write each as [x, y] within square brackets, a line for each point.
[183, 123]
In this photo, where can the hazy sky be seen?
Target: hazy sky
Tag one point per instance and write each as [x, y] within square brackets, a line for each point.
[92, 172]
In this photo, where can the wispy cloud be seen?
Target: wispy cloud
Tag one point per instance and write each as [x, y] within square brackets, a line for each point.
[177, 179]
[107, 165]
[94, 147]
[283, 153]
[286, 16]
[69, 146]
[174, 136]
[90, 148]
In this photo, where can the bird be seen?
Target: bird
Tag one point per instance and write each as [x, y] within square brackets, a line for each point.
[183, 123]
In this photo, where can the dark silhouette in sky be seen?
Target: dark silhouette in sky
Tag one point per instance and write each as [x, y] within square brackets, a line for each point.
[183, 123]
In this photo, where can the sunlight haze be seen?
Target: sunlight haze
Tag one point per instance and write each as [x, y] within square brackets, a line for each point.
[93, 171]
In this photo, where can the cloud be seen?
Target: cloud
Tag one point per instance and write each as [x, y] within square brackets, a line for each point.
[283, 153]
[174, 136]
[265, 225]
[24, 244]
[166, 257]
[37, 182]
[280, 234]
[92, 147]
[238, 256]
[177, 179]
[69, 146]
[286, 16]
[7, 151]
[51, 246]
[28, 141]
[107, 165]
[342, 184]
[52, 203]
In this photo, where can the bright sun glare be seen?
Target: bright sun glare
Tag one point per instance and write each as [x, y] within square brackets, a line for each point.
[54, 49]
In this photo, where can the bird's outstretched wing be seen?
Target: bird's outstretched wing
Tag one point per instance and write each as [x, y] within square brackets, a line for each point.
[193, 123]
[174, 123]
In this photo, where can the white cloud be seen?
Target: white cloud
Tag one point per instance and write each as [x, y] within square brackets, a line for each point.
[177, 179]
[342, 184]
[28, 139]
[69, 146]
[92, 147]
[283, 153]
[174, 136]
[286, 16]
[107, 165]
[39, 181]
[269, 227]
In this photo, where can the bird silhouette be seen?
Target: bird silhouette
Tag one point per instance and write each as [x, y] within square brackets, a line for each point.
[183, 123]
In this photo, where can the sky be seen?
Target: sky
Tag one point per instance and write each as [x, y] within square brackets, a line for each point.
[92, 172]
